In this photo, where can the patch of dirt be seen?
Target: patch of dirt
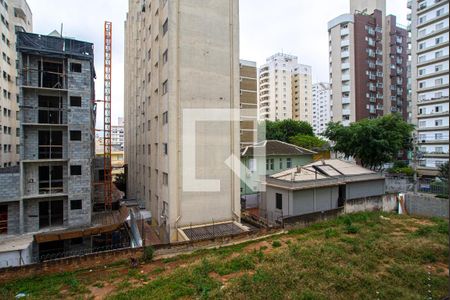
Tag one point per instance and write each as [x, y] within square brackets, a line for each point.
[256, 246]
[438, 267]
[102, 293]
[226, 278]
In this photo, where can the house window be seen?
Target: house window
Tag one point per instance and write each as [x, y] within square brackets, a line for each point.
[270, 163]
[75, 135]
[288, 162]
[165, 148]
[75, 170]
[165, 117]
[438, 123]
[75, 67]
[165, 179]
[281, 163]
[76, 204]
[75, 101]
[165, 27]
[278, 201]
[51, 213]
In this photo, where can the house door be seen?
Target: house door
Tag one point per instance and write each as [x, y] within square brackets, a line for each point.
[3, 219]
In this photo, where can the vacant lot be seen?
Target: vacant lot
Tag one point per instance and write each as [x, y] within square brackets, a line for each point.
[360, 256]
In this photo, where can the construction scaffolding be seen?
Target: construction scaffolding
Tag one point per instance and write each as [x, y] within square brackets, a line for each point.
[107, 117]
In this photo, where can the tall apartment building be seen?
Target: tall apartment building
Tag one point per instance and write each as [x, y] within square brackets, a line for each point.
[118, 137]
[368, 63]
[15, 16]
[248, 101]
[182, 56]
[429, 29]
[285, 89]
[321, 93]
[57, 132]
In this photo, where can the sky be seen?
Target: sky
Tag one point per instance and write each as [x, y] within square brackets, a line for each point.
[297, 27]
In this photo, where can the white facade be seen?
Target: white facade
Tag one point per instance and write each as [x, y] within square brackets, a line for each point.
[15, 16]
[118, 137]
[429, 29]
[321, 106]
[188, 59]
[285, 89]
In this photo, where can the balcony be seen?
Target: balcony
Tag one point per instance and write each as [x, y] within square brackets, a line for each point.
[345, 89]
[345, 31]
[409, 4]
[345, 54]
[345, 43]
[346, 112]
[345, 77]
[345, 66]
[345, 100]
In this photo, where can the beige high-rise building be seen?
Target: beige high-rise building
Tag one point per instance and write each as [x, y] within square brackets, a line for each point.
[429, 29]
[248, 101]
[182, 63]
[302, 97]
[15, 16]
[285, 89]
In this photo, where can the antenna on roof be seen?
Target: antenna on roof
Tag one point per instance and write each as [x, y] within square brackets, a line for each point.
[62, 27]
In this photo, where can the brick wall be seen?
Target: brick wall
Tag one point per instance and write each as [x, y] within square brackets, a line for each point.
[94, 260]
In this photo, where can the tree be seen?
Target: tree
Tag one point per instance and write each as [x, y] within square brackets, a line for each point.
[308, 142]
[373, 141]
[284, 130]
[121, 182]
[443, 171]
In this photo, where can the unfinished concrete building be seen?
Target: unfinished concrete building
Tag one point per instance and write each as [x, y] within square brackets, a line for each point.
[57, 142]
[182, 55]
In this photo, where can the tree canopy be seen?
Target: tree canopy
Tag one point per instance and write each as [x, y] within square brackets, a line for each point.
[373, 141]
[443, 171]
[308, 142]
[284, 130]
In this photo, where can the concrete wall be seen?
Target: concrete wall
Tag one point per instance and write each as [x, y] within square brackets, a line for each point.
[9, 186]
[357, 190]
[385, 203]
[299, 202]
[426, 205]
[16, 258]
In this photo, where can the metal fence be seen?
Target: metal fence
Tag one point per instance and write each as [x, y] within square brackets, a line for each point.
[404, 184]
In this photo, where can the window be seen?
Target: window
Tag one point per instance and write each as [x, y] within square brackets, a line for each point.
[165, 27]
[75, 170]
[278, 201]
[76, 241]
[439, 81]
[75, 135]
[75, 101]
[281, 163]
[165, 148]
[50, 144]
[165, 117]
[438, 123]
[76, 204]
[50, 179]
[438, 136]
[75, 67]
[165, 87]
[288, 162]
[3, 219]
[270, 164]
[165, 179]
[422, 124]
[51, 213]
[165, 56]
[50, 110]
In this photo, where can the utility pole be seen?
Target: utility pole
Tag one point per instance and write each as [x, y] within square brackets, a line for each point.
[414, 163]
